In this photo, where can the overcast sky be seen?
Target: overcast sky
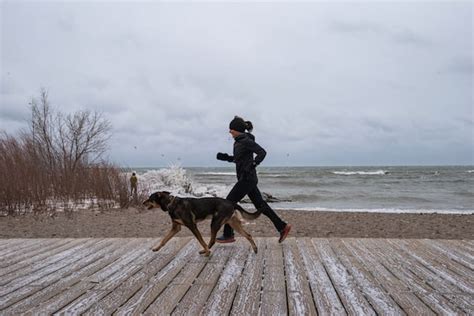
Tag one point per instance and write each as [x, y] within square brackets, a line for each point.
[324, 83]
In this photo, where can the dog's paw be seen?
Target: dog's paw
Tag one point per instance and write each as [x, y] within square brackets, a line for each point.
[155, 249]
[205, 253]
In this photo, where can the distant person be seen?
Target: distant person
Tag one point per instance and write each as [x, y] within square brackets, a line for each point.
[244, 148]
[133, 184]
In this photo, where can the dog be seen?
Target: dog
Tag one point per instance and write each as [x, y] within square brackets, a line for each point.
[190, 211]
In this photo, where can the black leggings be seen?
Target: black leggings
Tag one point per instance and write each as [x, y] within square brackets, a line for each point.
[246, 187]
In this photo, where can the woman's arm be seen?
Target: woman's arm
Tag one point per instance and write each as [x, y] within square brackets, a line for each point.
[255, 148]
[225, 157]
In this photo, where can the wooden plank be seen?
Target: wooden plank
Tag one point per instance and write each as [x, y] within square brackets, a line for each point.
[247, 299]
[127, 289]
[353, 300]
[16, 244]
[468, 241]
[416, 277]
[444, 262]
[111, 277]
[450, 253]
[76, 290]
[221, 298]
[299, 294]
[170, 297]
[466, 246]
[40, 251]
[456, 253]
[62, 287]
[9, 242]
[30, 249]
[460, 247]
[437, 276]
[462, 301]
[92, 254]
[105, 276]
[274, 289]
[21, 246]
[195, 298]
[440, 277]
[378, 297]
[384, 275]
[45, 267]
[150, 290]
[325, 296]
[25, 265]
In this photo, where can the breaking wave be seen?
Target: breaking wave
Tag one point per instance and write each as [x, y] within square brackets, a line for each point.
[176, 180]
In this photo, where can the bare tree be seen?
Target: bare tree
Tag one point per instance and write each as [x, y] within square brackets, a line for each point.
[42, 130]
[69, 140]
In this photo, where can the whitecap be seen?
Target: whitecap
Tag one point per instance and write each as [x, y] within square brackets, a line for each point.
[217, 173]
[350, 173]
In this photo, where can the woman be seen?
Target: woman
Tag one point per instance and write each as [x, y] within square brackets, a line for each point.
[244, 148]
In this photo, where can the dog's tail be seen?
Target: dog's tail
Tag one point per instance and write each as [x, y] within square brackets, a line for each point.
[247, 215]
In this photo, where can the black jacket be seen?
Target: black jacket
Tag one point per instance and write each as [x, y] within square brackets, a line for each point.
[244, 148]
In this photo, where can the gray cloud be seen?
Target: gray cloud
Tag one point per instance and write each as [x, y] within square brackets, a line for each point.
[378, 31]
[326, 83]
[362, 27]
[459, 65]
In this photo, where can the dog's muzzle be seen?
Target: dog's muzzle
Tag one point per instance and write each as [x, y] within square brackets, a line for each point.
[151, 204]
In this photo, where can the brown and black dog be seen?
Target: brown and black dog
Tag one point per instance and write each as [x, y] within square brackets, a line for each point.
[189, 211]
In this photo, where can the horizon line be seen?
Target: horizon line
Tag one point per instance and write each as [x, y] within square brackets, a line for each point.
[301, 166]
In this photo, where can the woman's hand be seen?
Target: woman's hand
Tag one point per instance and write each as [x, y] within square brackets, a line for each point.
[224, 157]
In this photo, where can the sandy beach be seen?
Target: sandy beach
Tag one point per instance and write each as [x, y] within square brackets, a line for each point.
[134, 222]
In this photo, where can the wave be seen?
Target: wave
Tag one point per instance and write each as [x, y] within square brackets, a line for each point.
[262, 174]
[217, 173]
[350, 173]
[378, 210]
[470, 171]
[271, 175]
[176, 180]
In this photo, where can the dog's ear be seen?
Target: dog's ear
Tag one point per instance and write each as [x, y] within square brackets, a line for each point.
[154, 197]
[164, 194]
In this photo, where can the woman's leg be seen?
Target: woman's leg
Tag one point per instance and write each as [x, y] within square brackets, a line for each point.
[240, 189]
[257, 200]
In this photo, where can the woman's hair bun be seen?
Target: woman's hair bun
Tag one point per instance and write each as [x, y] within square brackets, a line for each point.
[248, 126]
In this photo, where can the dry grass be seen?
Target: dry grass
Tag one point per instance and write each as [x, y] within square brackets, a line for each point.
[27, 185]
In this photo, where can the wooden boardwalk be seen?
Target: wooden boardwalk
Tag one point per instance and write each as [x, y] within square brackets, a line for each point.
[302, 276]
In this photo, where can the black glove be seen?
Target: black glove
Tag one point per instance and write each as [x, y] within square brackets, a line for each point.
[222, 156]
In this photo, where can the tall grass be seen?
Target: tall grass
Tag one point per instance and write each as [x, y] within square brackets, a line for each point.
[27, 186]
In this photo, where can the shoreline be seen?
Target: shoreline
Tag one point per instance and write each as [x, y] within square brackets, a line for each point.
[135, 222]
[378, 211]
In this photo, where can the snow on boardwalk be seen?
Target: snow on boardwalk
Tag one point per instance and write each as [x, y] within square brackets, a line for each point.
[302, 276]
